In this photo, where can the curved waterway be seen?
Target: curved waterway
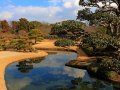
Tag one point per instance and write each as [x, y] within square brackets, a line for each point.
[50, 73]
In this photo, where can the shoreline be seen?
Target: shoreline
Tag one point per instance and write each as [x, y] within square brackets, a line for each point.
[49, 45]
[8, 57]
[85, 64]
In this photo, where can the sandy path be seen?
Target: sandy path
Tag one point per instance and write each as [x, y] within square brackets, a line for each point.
[45, 44]
[7, 57]
[49, 45]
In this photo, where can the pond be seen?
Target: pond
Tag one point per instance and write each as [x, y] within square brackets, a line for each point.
[50, 73]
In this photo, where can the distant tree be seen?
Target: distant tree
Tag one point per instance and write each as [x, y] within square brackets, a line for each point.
[0, 25]
[23, 24]
[7, 35]
[23, 34]
[68, 29]
[21, 44]
[2, 44]
[5, 26]
[35, 25]
[14, 25]
[35, 34]
[45, 28]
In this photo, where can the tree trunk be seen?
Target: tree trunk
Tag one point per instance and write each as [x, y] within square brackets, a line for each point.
[118, 30]
[111, 28]
[35, 40]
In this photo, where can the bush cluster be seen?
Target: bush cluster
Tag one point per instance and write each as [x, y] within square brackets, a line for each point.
[109, 68]
[69, 29]
[64, 42]
[111, 74]
[98, 42]
[110, 64]
[16, 44]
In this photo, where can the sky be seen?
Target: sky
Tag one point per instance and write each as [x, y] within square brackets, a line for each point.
[41, 10]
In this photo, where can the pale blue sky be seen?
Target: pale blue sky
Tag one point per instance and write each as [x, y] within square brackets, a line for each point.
[41, 10]
[26, 2]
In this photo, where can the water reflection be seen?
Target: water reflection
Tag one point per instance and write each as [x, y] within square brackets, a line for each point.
[18, 84]
[24, 67]
[49, 73]
[79, 85]
[27, 65]
[86, 83]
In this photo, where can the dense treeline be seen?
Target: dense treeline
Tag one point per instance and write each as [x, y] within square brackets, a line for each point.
[22, 34]
[23, 24]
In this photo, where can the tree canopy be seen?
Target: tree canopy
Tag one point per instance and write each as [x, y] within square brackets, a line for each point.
[103, 5]
[107, 14]
[70, 28]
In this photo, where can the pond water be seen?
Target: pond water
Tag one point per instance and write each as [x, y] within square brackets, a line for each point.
[50, 73]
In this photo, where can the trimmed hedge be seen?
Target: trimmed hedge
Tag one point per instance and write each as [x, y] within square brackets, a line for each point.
[64, 42]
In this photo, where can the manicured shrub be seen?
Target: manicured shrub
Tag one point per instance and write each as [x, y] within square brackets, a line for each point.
[99, 42]
[107, 68]
[39, 39]
[111, 74]
[64, 42]
[20, 44]
[4, 47]
[94, 69]
[88, 50]
[35, 34]
[3, 44]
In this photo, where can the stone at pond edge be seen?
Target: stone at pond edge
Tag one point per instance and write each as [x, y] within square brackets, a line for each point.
[78, 64]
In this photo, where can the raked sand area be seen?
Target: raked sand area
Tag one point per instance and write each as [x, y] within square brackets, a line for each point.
[8, 57]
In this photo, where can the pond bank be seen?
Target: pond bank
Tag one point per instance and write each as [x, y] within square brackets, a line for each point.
[49, 45]
[86, 65]
[8, 57]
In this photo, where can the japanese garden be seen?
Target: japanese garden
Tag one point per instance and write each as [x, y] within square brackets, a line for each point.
[79, 54]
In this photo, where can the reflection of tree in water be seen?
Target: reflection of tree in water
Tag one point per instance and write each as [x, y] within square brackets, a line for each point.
[79, 85]
[37, 60]
[27, 65]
